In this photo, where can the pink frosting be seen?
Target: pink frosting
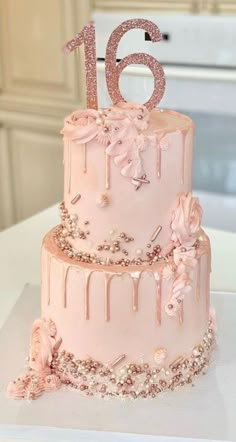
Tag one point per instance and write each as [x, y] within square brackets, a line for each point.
[39, 378]
[184, 258]
[137, 113]
[186, 220]
[41, 346]
[118, 129]
[81, 126]
[52, 382]
[181, 286]
[27, 386]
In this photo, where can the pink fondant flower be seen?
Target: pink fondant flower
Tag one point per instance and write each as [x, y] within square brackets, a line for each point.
[168, 271]
[186, 220]
[81, 126]
[27, 386]
[184, 257]
[137, 113]
[41, 345]
[181, 286]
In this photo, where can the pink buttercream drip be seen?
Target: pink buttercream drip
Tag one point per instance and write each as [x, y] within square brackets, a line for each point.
[158, 161]
[107, 171]
[85, 158]
[69, 166]
[158, 300]
[64, 282]
[198, 278]
[48, 279]
[181, 313]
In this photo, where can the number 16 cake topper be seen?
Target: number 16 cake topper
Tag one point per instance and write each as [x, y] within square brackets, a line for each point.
[114, 69]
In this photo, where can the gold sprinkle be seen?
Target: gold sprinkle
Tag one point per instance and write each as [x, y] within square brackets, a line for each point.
[156, 233]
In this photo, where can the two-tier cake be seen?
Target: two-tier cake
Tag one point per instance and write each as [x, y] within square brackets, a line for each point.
[125, 275]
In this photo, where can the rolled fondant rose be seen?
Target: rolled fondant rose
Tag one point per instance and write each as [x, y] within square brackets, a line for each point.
[186, 220]
[81, 126]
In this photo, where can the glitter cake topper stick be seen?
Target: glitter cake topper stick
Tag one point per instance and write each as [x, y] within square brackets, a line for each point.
[87, 37]
[114, 70]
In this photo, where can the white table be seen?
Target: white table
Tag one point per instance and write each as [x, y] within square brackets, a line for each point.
[20, 257]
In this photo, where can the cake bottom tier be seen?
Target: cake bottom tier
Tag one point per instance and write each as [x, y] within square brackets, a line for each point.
[128, 331]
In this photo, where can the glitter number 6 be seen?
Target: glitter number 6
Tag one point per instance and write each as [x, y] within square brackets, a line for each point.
[113, 70]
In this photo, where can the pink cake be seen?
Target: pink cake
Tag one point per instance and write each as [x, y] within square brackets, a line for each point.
[125, 275]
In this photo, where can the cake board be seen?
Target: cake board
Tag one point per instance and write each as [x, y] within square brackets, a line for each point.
[205, 411]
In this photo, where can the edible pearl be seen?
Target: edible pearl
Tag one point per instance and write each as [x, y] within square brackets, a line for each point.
[112, 232]
[74, 217]
[139, 252]
[98, 121]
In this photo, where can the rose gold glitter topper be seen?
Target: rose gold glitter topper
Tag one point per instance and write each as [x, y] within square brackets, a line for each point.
[114, 69]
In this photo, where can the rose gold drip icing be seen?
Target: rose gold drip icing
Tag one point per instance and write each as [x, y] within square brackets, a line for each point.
[108, 279]
[156, 233]
[64, 282]
[158, 161]
[198, 277]
[85, 158]
[117, 360]
[135, 278]
[107, 172]
[158, 299]
[87, 276]
[182, 168]
[49, 279]
[69, 166]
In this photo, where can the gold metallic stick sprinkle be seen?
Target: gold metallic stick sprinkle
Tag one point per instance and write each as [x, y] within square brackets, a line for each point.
[156, 233]
[142, 179]
[76, 198]
[117, 360]
[177, 361]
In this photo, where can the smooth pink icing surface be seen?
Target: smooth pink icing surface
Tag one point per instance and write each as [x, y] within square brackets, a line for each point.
[163, 142]
[105, 331]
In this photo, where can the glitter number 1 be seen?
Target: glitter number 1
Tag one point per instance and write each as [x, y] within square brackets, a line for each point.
[113, 70]
[87, 37]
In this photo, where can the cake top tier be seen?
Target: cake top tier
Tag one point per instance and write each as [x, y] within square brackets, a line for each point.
[126, 170]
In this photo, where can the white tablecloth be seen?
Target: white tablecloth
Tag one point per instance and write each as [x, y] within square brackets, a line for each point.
[206, 411]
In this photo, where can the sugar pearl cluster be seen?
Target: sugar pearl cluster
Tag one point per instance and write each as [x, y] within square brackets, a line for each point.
[116, 244]
[70, 224]
[134, 380]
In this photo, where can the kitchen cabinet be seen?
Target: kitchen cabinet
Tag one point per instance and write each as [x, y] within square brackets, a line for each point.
[38, 87]
[171, 6]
